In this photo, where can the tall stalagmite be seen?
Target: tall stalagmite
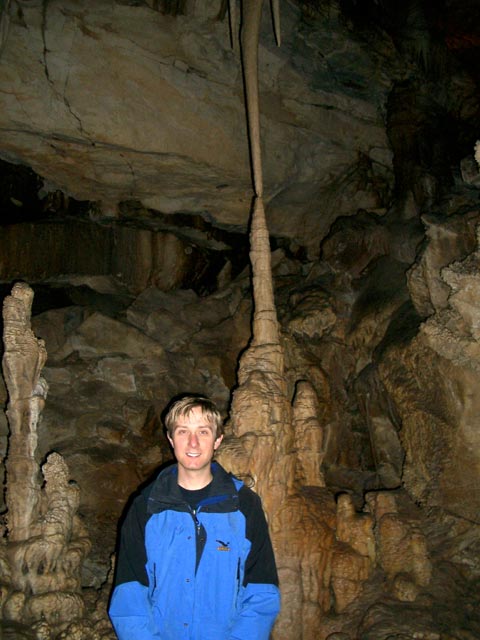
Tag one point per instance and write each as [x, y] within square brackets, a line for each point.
[260, 422]
[23, 360]
[320, 567]
[260, 402]
[46, 542]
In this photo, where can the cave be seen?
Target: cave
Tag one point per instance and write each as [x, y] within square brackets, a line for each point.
[312, 266]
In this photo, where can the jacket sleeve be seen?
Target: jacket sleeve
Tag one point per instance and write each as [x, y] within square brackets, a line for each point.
[129, 607]
[260, 595]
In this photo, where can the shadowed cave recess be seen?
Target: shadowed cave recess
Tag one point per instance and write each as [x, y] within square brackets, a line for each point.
[130, 272]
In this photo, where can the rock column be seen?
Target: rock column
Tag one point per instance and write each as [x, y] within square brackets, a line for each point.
[23, 361]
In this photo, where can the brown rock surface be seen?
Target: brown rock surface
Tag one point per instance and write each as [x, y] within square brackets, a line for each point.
[354, 410]
[439, 366]
[180, 72]
[46, 542]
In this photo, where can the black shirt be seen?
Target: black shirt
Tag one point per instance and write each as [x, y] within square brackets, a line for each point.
[193, 497]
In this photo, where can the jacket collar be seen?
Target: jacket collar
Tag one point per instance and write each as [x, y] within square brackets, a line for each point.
[165, 494]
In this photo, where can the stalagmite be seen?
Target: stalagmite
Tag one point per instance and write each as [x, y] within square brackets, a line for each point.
[260, 402]
[46, 542]
[354, 554]
[309, 437]
[23, 361]
[262, 443]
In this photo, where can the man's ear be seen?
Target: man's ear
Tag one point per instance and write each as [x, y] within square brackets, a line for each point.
[217, 442]
[169, 439]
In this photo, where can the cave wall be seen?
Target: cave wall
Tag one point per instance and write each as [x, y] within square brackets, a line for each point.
[366, 452]
[374, 517]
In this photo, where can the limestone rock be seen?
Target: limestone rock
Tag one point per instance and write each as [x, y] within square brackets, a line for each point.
[153, 72]
[441, 362]
[470, 171]
[46, 541]
[309, 437]
[304, 559]
[383, 424]
[447, 240]
[119, 258]
[349, 571]
[354, 555]
[101, 335]
[381, 622]
[3, 434]
[355, 529]
[313, 316]
[402, 549]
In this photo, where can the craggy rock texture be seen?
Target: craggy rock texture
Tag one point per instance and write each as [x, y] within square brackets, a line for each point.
[165, 125]
[46, 542]
[367, 563]
[440, 367]
[348, 379]
[22, 362]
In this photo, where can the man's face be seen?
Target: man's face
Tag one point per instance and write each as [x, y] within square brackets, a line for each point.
[194, 442]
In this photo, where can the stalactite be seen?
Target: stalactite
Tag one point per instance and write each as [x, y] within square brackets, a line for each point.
[260, 402]
[281, 449]
[265, 326]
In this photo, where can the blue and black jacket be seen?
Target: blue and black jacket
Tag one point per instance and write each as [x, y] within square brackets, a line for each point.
[204, 574]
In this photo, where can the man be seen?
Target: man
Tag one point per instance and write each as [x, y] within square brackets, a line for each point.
[195, 560]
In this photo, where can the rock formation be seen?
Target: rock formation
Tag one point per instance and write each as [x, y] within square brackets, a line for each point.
[446, 341]
[125, 195]
[45, 542]
[260, 400]
[344, 557]
[166, 131]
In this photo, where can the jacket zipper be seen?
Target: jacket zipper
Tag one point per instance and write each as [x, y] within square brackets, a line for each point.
[200, 536]
[195, 519]
[154, 579]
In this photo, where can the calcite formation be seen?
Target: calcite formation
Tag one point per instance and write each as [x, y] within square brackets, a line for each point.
[309, 438]
[45, 541]
[338, 419]
[438, 368]
[402, 548]
[23, 360]
[330, 554]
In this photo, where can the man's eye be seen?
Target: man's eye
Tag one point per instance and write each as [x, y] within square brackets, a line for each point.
[204, 432]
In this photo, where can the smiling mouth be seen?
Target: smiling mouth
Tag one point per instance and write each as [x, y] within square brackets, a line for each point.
[193, 455]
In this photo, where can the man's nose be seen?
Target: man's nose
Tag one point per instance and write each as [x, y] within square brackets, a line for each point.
[193, 440]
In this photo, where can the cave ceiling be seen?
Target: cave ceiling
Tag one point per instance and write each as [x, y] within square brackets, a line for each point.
[125, 201]
[131, 114]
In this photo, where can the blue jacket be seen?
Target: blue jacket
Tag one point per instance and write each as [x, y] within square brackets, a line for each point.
[207, 574]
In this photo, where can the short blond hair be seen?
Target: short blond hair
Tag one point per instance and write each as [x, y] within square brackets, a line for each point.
[185, 405]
